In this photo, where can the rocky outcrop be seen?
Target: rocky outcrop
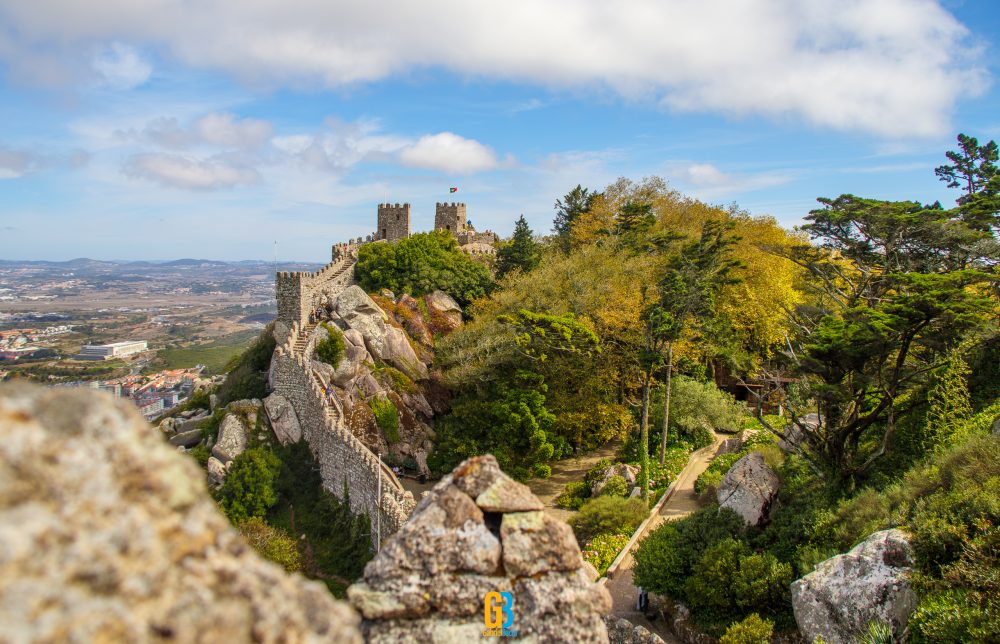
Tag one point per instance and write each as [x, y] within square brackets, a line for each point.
[108, 534]
[232, 439]
[622, 631]
[446, 314]
[475, 532]
[284, 422]
[749, 488]
[362, 314]
[601, 478]
[838, 599]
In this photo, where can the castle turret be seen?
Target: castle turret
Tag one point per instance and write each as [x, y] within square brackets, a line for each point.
[451, 217]
[393, 221]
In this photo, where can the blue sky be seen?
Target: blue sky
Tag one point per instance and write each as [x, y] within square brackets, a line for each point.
[158, 130]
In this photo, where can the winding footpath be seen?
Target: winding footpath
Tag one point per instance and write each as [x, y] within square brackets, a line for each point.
[681, 502]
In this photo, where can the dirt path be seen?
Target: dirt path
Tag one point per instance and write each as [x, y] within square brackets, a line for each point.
[569, 470]
[681, 503]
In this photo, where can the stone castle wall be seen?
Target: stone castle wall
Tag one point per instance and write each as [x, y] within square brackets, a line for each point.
[344, 461]
[300, 293]
[451, 217]
[393, 222]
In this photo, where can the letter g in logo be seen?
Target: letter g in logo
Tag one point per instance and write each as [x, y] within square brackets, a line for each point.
[498, 610]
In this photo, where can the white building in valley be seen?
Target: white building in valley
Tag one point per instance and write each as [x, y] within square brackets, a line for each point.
[110, 351]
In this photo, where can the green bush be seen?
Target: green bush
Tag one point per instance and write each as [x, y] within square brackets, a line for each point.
[730, 579]
[602, 550]
[249, 488]
[272, 543]
[245, 377]
[387, 417]
[608, 514]
[752, 630]
[665, 559]
[696, 408]
[509, 421]
[616, 486]
[420, 264]
[200, 453]
[574, 495]
[331, 348]
[711, 587]
[954, 617]
[340, 540]
[763, 581]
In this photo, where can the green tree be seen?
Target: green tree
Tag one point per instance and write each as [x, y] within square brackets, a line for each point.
[422, 263]
[693, 280]
[974, 170]
[508, 420]
[249, 489]
[522, 252]
[890, 300]
[576, 202]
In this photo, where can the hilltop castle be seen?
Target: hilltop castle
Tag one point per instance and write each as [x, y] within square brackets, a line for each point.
[394, 224]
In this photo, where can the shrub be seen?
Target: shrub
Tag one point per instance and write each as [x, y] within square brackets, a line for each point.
[574, 495]
[711, 588]
[602, 550]
[763, 582]
[387, 417]
[707, 484]
[730, 579]
[664, 559]
[272, 543]
[696, 408]
[249, 488]
[752, 630]
[616, 486]
[952, 617]
[244, 377]
[200, 453]
[420, 264]
[331, 348]
[608, 514]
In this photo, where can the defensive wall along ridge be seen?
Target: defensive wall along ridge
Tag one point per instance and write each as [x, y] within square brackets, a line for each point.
[349, 470]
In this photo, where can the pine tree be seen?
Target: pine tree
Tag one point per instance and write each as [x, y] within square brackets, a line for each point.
[520, 253]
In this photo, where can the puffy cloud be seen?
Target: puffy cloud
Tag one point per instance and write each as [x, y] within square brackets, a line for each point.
[449, 152]
[217, 128]
[176, 171]
[121, 67]
[893, 67]
[708, 181]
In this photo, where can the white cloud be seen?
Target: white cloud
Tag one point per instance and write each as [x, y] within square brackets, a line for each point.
[215, 128]
[892, 67]
[450, 153]
[707, 181]
[121, 67]
[176, 171]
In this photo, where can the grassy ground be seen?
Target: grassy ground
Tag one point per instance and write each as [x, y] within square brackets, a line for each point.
[214, 354]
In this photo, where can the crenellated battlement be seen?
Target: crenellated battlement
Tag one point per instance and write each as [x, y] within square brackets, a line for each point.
[393, 222]
[452, 217]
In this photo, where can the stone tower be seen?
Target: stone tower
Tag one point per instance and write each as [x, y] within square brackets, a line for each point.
[394, 221]
[451, 217]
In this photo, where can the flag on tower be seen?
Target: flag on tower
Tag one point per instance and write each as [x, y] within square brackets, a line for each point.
[453, 190]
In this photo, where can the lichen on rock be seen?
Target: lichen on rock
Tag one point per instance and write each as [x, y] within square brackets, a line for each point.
[479, 531]
[108, 534]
